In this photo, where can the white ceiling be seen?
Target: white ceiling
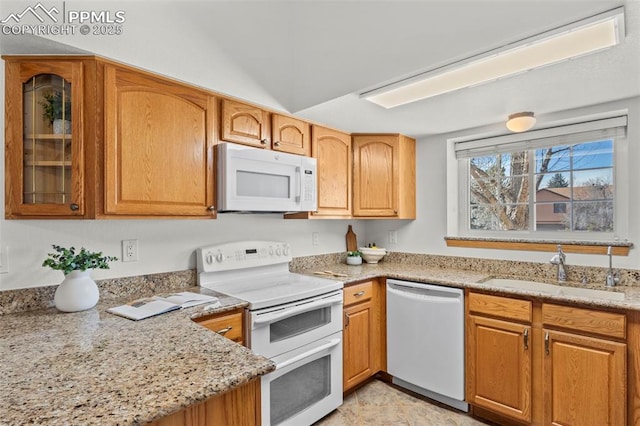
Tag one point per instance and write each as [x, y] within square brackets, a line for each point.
[313, 58]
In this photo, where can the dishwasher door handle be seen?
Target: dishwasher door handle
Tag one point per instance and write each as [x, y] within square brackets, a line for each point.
[417, 293]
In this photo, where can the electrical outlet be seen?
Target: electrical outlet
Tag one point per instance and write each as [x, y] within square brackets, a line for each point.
[315, 238]
[393, 237]
[129, 250]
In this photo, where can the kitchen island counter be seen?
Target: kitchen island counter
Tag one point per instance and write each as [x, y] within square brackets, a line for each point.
[93, 367]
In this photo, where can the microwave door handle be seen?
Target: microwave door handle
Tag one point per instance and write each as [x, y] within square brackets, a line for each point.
[330, 344]
[273, 317]
[298, 185]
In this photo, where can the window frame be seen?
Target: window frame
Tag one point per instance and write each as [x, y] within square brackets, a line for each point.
[458, 198]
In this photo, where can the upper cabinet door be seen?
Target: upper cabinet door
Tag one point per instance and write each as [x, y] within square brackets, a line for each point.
[290, 135]
[384, 176]
[376, 168]
[244, 124]
[332, 149]
[158, 146]
[44, 139]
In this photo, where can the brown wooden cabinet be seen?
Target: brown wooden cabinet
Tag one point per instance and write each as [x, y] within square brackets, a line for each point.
[542, 363]
[499, 355]
[238, 407]
[227, 324]
[251, 125]
[44, 145]
[158, 146]
[584, 376]
[332, 149]
[384, 176]
[244, 123]
[364, 352]
[131, 144]
[289, 134]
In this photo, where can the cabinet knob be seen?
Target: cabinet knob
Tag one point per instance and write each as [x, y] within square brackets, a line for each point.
[74, 207]
[395, 212]
[263, 141]
[211, 208]
[277, 143]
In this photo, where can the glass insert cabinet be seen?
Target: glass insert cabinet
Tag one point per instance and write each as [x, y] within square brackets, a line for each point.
[45, 153]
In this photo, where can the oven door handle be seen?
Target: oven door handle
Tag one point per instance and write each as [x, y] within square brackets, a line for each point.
[272, 317]
[330, 344]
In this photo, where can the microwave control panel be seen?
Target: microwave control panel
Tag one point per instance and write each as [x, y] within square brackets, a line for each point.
[309, 183]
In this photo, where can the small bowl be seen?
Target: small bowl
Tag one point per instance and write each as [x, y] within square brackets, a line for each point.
[354, 260]
[372, 255]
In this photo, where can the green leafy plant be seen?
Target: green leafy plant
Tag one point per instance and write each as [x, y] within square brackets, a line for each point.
[67, 260]
[354, 253]
[53, 106]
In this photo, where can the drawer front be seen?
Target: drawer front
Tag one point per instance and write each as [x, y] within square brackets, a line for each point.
[229, 326]
[609, 324]
[501, 307]
[358, 293]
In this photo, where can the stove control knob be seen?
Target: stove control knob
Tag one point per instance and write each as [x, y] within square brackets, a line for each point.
[219, 257]
[209, 258]
[285, 250]
[270, 250]
[278, 251]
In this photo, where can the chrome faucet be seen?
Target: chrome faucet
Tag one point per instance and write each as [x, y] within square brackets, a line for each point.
[559, 259]
[613, 277]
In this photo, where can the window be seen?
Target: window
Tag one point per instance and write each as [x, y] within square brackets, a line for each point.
[559, 208]
[561, 180]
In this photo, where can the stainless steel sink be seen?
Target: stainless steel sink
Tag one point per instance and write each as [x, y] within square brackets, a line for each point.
[554, 290]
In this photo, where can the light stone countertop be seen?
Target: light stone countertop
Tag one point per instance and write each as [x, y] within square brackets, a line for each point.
[474, 280]
[93, 367]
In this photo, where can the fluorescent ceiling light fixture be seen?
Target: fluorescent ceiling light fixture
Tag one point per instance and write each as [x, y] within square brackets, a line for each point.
[580, 38]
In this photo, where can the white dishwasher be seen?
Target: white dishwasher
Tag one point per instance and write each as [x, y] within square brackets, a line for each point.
[425, 340]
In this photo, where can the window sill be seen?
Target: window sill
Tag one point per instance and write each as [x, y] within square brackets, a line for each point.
[584, 247]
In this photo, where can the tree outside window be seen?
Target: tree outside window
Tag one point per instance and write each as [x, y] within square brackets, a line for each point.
[563, 187]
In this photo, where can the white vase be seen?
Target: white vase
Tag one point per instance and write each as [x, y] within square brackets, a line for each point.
[76, 292]
[354, 260]
[61, 126]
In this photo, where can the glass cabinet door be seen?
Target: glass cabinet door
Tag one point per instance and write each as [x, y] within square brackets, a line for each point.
[47, 140]
[44, 155]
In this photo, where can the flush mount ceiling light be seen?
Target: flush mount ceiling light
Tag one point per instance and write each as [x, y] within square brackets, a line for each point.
[521, 122]
[580, 38]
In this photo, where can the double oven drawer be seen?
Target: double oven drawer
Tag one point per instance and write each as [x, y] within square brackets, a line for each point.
[284, 328]
[304, 339]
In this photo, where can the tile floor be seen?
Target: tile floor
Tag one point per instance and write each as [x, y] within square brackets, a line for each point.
[378, 403]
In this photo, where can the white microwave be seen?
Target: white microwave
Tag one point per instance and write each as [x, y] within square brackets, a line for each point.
[259, 180]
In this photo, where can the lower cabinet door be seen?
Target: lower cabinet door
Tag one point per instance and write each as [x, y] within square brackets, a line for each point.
[238, 407]
[357, 340]
[584, 380]
[499, 367]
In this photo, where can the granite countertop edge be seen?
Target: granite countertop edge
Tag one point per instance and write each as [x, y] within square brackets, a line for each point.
[93, 367]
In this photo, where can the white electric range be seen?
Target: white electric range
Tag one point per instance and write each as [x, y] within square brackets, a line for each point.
[293, 319]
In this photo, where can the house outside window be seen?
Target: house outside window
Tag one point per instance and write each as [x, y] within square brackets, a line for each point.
[557, 183]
